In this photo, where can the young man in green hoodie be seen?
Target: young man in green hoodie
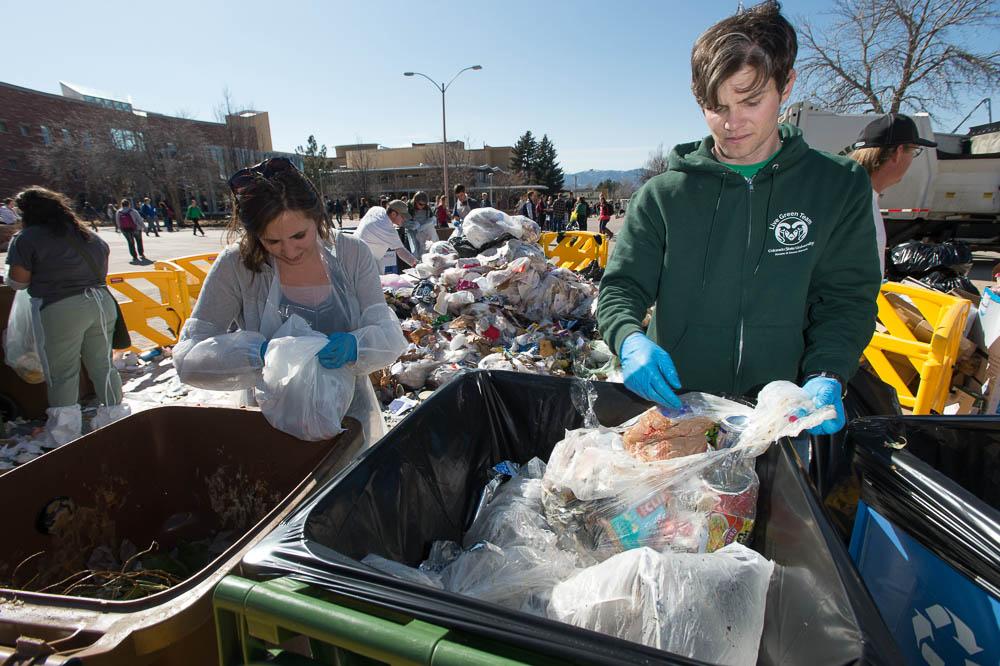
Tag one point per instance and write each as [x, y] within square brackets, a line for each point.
[757, 251]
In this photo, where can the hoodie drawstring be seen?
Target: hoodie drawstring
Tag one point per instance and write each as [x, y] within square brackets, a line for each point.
[711, 229]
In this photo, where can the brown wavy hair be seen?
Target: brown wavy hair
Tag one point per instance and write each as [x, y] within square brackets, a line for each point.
[41, 207]
[759, 37]
[260, 203]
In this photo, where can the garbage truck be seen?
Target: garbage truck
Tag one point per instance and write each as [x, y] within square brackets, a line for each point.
[952, 192]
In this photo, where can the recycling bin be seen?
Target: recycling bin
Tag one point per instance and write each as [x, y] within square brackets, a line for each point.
[421, 483]
[926, 537]
[169, 476]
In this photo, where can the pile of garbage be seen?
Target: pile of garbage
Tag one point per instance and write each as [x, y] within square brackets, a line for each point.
[490, 299]
[638, 531]
[941, 266]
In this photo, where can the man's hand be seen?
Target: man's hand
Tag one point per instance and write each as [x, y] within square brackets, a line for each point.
[649, 371]
[826, 391]
[341, 349]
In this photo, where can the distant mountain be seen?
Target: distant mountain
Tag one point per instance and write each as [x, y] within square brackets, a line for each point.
[591, 177]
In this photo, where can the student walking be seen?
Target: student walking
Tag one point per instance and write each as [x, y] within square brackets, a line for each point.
[193, 215]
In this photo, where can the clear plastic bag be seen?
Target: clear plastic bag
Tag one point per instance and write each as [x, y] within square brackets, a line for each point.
[485, 225]
[23, 340]
[707, 607]
[664, 484]
[297, 395]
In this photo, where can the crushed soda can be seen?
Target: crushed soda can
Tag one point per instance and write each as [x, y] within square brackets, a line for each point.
[730, 429]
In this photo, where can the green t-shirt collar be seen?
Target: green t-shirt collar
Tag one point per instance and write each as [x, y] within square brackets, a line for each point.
[750, 170]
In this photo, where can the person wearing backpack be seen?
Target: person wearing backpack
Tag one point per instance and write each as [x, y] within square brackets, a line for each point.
[130, 224]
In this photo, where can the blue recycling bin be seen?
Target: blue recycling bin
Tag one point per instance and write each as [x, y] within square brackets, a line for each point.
[926, 537]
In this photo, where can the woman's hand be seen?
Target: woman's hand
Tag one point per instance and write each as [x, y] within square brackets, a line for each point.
[341, 349]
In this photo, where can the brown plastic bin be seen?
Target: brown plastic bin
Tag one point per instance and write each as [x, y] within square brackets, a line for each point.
[159, 463]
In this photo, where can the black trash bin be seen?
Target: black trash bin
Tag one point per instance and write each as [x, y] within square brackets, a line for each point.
[420, 484]
[926, 537]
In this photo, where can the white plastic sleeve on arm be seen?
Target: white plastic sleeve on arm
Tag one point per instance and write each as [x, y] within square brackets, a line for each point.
[210, 358]
[380, 339]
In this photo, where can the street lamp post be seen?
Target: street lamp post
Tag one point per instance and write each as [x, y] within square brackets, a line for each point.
[489, 177]
[443, 87]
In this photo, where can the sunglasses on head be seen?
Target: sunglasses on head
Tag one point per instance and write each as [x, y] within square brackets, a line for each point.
[244, 178]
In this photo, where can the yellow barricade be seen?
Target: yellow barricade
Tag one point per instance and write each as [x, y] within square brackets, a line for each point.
[195, 267]
[152, 295]
[575, 250]
[933, 359]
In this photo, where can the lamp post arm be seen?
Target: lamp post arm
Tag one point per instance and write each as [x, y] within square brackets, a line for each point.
[446, 86]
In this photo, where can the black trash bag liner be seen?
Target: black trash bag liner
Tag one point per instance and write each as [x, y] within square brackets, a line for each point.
[942, 487]
[831, 471]
[421, 483]
[466, 250]
[913, 258]
[945, 279]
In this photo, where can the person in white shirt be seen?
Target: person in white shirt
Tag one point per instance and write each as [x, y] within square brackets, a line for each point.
[886, 148]
[378, 230]
[7, 213]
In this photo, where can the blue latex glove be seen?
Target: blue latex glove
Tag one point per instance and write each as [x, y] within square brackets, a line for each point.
[341, 349]
[826, 391]
[263, 349]
[649, 371]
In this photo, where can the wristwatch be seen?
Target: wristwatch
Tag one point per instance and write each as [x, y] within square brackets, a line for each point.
[831, 375]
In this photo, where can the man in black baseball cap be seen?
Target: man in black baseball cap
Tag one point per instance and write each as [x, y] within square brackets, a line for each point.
[886, 148]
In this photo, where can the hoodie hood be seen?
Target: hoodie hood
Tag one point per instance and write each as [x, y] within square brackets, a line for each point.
[697, 156]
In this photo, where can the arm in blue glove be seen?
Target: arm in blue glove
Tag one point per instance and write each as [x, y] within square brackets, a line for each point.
[340, 349]
[826, 391]
[649, 371]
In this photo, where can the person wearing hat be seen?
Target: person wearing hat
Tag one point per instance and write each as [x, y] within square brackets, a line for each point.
[886, 148]
[378, 230]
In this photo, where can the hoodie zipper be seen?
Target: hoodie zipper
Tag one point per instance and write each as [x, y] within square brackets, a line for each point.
[739, 350]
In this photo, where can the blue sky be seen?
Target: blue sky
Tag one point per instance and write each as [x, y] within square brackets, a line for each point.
[607, 81]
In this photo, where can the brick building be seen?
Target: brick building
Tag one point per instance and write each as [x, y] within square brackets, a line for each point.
[36, 124]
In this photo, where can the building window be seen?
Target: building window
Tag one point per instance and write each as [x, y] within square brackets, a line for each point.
[46, 135]
[88, 140]
[3, 125]
[25, 130]
[66, 135]
[12, 164]
[125, 139]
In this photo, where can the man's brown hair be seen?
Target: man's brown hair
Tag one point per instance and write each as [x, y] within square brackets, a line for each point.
[759, 37]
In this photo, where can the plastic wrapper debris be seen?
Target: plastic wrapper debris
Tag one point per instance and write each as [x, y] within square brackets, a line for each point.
[22, 340]
[915, 259]
[296, 394]
[707, 607]
[609, 493]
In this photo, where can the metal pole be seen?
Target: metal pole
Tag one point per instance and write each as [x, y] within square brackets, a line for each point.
[444, 148]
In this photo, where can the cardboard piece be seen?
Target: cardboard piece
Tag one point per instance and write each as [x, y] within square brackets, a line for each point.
[960, 402]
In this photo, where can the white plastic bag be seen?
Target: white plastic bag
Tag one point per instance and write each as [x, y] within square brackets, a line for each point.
[24, 341]
[297, 394]
[708, 607]
[485, 225]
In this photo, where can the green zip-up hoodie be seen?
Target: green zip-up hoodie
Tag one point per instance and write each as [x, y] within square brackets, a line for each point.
[754, 280]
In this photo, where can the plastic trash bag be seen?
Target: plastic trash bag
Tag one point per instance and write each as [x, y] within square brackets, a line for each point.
[23, 340]
[297, 395]
[914, 259]
[606, 495]
[485, 225]
[707, 607]
[530, 231]
[946, 279]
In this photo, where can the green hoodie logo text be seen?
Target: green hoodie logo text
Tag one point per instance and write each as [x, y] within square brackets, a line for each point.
[791, 230]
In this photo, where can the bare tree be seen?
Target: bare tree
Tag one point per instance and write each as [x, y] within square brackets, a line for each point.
[359, 177]
[887, 55]
[655, 165]
[240, 137]
[459, 168]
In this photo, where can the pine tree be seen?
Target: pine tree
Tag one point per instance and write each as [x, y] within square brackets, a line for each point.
[525, 154]
[313, 160]
[547, 171]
